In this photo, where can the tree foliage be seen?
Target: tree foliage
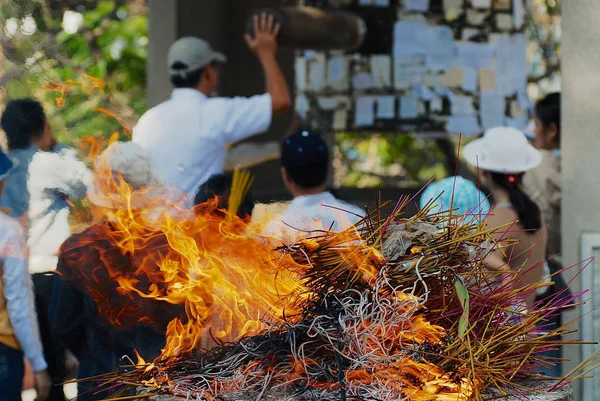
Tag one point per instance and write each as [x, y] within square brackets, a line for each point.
[85, 60]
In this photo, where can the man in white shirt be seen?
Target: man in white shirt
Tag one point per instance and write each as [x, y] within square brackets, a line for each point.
[187, 135]
[304, 167]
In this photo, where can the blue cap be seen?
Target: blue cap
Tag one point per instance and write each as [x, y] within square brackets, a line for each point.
[468, 199]
[304, 148]
[6, 164]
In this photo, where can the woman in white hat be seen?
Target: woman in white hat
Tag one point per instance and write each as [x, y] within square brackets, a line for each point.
[502, 156]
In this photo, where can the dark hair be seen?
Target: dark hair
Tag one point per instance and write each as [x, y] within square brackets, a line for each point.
[547, 111]
[22, 121]
[190, 79]
[528, 211]
[220, 186]
[311, 175]
[305, 157]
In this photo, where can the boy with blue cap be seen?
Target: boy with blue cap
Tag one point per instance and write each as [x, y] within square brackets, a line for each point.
[304, 167]
[19, 333]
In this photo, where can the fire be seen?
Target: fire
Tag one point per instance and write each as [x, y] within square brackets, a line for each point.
[225, 282]
[419, 381]
[207, 278]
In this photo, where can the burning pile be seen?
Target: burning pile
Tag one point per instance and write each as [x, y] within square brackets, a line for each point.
[394, 309]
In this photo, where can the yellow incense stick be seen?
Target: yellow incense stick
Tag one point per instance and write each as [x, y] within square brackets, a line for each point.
[240, 186]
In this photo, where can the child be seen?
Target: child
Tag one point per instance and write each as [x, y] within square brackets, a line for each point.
[459, 194]
[19, 332]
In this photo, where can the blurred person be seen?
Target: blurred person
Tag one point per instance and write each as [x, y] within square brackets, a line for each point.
[187, 136]
[458, 194]
[503, 155]
[19, 332]
[47, 174]
[543, 182]
[87, 301]
[305, 166]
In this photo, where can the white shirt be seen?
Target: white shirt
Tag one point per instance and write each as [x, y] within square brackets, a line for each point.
[310, 213]
[53, 178]
[187, 135]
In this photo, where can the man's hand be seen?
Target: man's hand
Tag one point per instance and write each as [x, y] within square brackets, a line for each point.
[265, 35]
[43, 385]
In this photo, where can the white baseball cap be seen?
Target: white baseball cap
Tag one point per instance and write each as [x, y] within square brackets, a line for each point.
[502, 150]
[194, 53]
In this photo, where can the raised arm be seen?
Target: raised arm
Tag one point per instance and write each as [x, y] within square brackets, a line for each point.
[264, 45]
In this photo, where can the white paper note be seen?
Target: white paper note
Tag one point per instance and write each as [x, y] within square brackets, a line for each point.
[518, 13]
[489, 121]
[317, 72]
[475, 17]
[462, 105]
[450, 5]
[363, 111]
[492, 103]
[362, 81]
[491, 110]
[300, 74]
[474, 55]
[504, 22]
[381, 70]
[470, 80]
[302, 105]
[521, 63]
[439, 44]
[340, 120]
[505, 64]
[417, 5]
[337, 73]
[386, 107]
[465, 125]
[408, 70]
[481, 3]
[408, 38]
[409, 107]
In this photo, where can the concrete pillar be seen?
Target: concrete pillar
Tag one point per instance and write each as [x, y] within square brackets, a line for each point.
[162, 22]
[581, 153]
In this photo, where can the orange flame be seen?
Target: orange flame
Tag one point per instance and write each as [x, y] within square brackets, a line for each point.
[222, 282]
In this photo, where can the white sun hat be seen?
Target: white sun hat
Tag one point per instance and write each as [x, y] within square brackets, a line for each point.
[502, 150]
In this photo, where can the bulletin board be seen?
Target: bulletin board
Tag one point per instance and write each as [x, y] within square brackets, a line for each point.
[455, 66]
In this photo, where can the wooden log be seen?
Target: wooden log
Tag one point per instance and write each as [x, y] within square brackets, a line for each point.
[312, 28]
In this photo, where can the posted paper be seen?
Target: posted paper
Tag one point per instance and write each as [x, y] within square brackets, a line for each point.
[465, 125]
[386, 107]
[363, 111]
[381, 71]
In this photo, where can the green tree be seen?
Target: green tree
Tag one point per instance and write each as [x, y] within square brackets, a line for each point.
[84, 59]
